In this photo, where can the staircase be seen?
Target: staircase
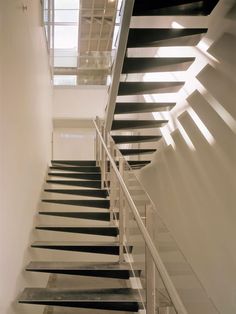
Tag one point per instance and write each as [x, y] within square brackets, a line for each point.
[128, 127]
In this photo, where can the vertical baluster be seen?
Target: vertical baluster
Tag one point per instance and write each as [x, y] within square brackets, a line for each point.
[150, 266]
[121, 213]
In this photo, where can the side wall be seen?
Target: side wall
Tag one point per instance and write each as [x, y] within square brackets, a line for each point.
[194, 185]
[26, 101]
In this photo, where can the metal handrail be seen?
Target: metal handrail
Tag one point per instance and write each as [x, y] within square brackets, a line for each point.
[175, 298]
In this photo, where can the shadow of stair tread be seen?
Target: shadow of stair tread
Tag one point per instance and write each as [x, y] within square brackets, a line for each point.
[83, 176]
[156, 37]
[75, 162]
[140, 88]
[88, 215]
[76, 168]
[110, 248]
[100, 193]
[134, 151]
[137, 124]
[176, 7]
[87, 202]
[76, 295]
[140, 107]
[82, 183]
[154, 64]
[103, 230]
[120, 139]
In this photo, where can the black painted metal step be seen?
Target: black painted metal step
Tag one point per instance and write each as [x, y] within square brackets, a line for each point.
[140, 107]
[138, 162]
[157, 37]
[88, 247]
[90, 269]
[77, 169]
[173, 7]
[83, 176]
[137, 124]
[81, 183]
[82, 192]
[140, 88]
[147, 65]
[120, 299]
[111, 231]
[121, 139]
[138, 151]
[82, 163]
[85, 203]
[88, 215]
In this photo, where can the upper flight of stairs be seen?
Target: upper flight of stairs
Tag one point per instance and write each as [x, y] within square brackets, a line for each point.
[127, 130]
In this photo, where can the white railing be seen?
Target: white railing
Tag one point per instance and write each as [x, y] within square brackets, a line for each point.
[153, 260]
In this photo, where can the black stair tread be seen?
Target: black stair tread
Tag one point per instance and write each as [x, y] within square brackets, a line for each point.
[139, 107]
[87, 229]
[87, 203]
[136, 151]
[109, 248]
[77, 168]
[42, 265]
[120, 139]
[75, 162]
[88, 215]
[82, 192]
[84, 183]
[173, 7]
[83, 176]
[137, 124]
[153, 37]
[138, 162]
[147, 65]
[139, 88]
[76, 295]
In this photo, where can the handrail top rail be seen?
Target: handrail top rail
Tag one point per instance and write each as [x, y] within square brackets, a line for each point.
[175, 298]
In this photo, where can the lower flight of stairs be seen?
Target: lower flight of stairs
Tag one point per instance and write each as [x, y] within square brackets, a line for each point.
[86, 201]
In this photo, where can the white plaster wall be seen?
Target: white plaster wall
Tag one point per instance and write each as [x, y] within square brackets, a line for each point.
[83, 102]
[26, 100]
[193, 186]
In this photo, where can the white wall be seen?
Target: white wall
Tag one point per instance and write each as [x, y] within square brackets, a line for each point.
[26, 100]
[194, 185]
[83, 102]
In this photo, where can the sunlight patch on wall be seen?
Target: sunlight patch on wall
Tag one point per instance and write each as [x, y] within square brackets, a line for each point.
[201, 126]
[186, 137]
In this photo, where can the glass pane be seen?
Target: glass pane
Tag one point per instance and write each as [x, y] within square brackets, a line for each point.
[64, 80]
[66, 16]
[66, 4]
[65, 37]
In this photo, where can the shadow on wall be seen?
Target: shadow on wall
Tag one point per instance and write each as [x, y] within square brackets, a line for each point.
[194, 187]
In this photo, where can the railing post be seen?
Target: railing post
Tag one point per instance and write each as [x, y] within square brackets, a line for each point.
[103, 162]
[121, 213]
[97, 143]
[112, 179]
[150, 266]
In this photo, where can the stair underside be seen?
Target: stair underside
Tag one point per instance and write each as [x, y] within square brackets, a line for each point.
[158, 37]
[140, 88]
[173, 7]
[77, 168]
[85, 203]
[137, 124]
[93, 269]
[147, 65]
[89, 215]
[82, 192]
[83, 176]
[82, 163]
[121, 139]
[81, 183]
[88, 247]
[129, 152]
[135, 107]
[111, 231]
[123, 299]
